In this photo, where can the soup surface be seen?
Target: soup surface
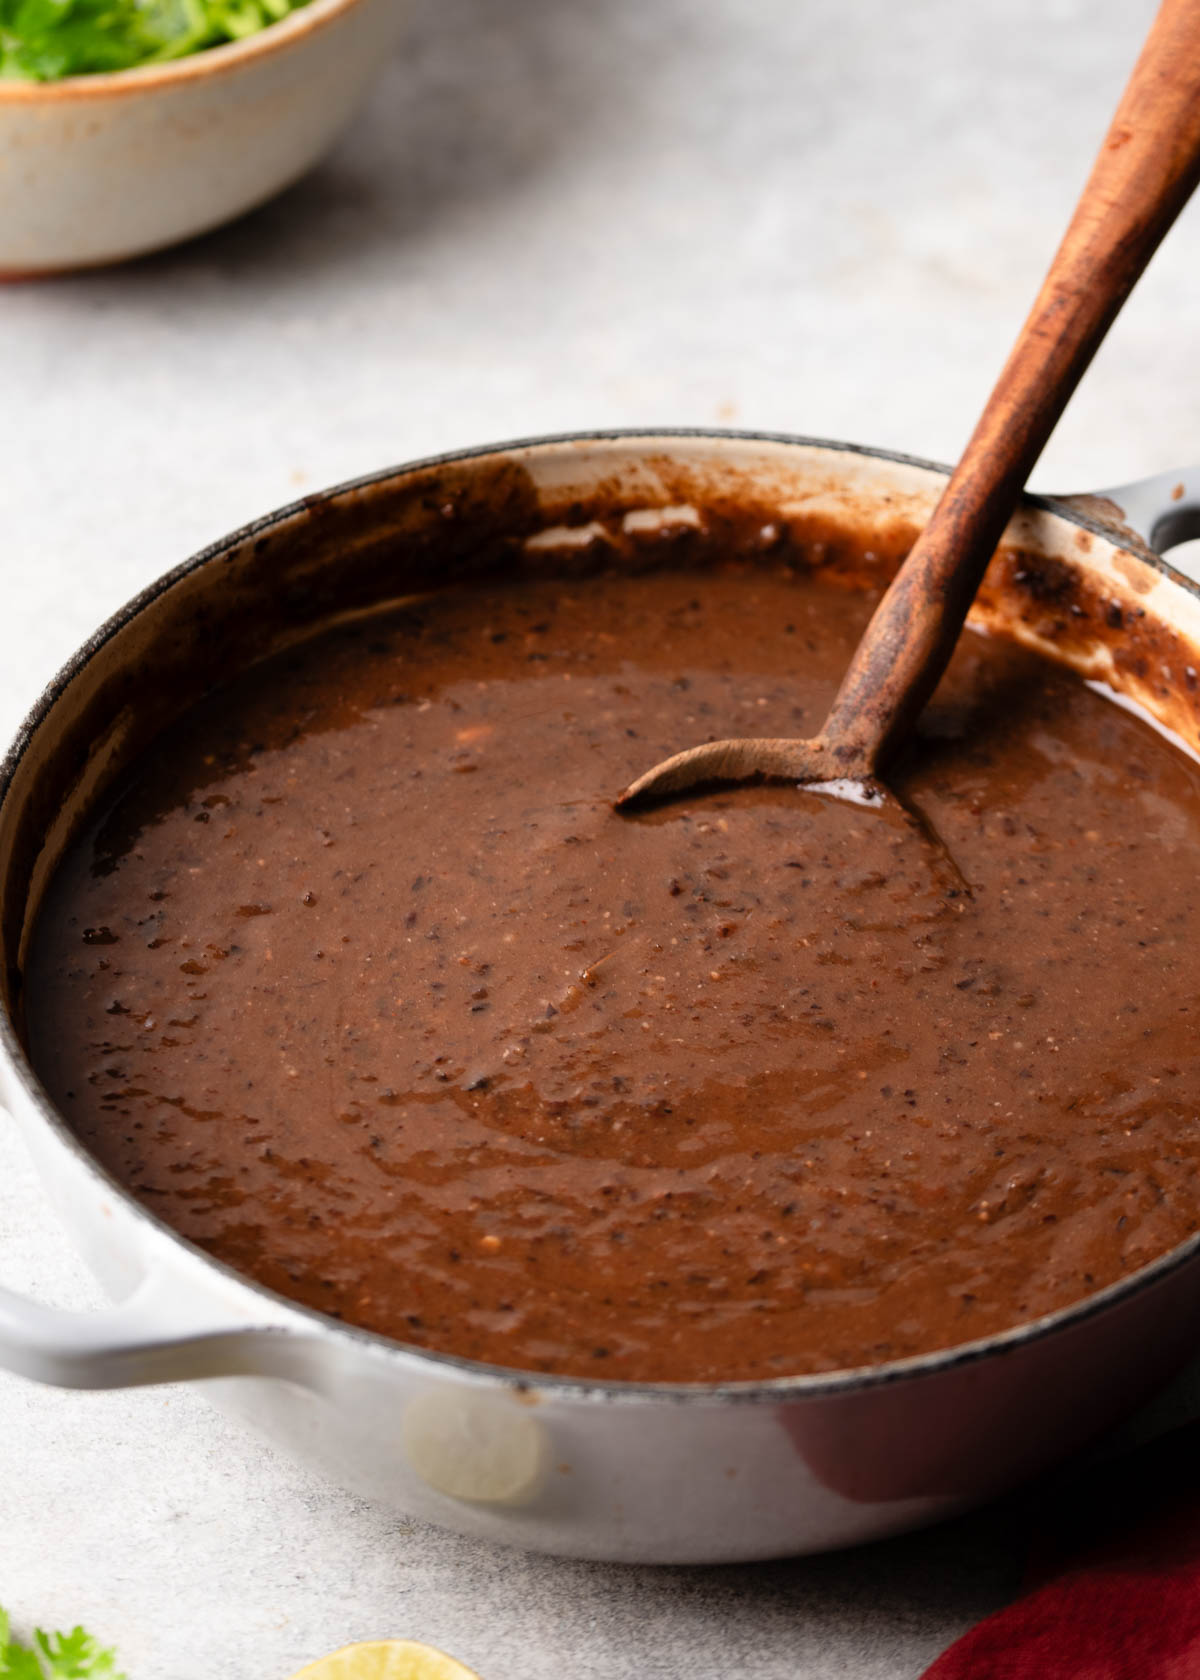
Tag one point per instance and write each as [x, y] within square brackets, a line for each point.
[362, 985]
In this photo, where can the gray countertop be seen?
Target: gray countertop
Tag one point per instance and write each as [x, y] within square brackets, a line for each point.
[826, 218]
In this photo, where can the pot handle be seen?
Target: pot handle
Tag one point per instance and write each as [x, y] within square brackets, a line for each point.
[1164, 510]
[124, 1346]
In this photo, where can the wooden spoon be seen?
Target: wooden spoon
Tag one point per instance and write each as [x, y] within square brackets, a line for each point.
[1145, 173]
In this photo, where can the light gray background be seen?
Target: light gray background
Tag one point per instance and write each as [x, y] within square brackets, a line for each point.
[826, 216]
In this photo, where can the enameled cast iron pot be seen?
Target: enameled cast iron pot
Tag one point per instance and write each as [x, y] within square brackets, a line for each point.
[666, 1473]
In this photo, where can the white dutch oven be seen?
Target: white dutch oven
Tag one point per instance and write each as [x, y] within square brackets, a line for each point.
[666, 1473]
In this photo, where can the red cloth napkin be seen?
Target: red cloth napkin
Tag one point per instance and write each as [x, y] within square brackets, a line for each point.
[1113, 1585]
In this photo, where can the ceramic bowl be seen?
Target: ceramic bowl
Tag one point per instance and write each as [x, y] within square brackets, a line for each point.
[94, 169]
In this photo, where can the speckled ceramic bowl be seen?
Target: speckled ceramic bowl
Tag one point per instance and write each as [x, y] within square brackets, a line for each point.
[94, 169]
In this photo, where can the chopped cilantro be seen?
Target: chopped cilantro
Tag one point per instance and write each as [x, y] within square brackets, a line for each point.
[55, 1656]
[44, 40]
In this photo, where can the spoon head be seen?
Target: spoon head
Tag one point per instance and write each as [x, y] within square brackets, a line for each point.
[812, 765]
[717, 763]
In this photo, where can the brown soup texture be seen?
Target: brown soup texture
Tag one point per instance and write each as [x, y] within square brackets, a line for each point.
[362, 985]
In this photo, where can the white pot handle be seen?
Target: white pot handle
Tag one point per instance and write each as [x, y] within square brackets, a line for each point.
[124, 1346]
[1164, 510]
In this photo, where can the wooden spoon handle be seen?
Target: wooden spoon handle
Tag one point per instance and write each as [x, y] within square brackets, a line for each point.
[1147, 168]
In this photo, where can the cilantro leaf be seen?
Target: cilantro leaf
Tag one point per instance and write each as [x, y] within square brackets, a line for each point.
[20, 1664]
[44, 40]
[55, 1656]
[75, 1656]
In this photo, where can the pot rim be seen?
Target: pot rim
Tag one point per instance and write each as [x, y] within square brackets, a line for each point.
[774, 1390]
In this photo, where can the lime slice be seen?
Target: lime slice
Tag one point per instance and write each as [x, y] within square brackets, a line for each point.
[387, 1659]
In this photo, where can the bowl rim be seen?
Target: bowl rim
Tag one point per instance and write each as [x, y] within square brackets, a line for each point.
[308, 19]
[322, 1327]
